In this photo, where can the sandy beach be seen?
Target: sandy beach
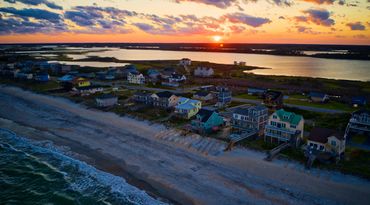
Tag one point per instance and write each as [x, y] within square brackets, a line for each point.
[184, 170]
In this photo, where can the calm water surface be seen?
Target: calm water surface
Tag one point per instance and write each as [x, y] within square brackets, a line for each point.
[280, 65]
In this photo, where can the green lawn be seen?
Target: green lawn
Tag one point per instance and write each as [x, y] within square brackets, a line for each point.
[250, 97]
[298, 96]
[329, 105]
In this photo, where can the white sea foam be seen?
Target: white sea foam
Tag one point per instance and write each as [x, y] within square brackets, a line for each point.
[86, 177]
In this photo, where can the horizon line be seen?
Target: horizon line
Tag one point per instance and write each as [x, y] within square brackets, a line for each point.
[211, 43]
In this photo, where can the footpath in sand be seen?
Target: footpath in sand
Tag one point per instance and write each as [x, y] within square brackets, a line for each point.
[187, 169]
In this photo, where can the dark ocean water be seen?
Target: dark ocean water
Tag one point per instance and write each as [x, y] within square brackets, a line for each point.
[33, 174]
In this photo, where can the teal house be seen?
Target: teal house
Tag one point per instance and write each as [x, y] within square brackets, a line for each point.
[207, 121]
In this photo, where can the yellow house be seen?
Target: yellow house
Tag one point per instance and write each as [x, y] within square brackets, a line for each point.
[81, 82]
[326, 140]
[187, 108]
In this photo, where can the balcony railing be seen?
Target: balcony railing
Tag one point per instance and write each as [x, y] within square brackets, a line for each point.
[281, 129]
[356, 121]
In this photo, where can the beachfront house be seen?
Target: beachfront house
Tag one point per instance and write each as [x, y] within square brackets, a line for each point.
[318, 97]
[187, 108]
[203, 96]
[80, 82]
[273, 99]
[203, 72]
[256, 91]
[164, 99]
[358, 101]
[135, 78]
[326, 140]
[42, 77]
[283, 126]
[223, 96]
[106, 100]
[207, 121]
[250, 119]
[185, 62]
[177, 78]
[359, 123]
[142, 97]
[88, 90]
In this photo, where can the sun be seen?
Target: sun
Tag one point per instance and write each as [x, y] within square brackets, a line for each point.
[217, 38]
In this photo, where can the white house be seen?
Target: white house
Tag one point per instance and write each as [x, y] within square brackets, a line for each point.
[326, 140]
[135, 78]
[106, 100]
[283, 126]
[185, 62]
[203, 72]
[177, 78]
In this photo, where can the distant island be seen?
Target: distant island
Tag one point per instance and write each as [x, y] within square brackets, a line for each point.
[349, 52]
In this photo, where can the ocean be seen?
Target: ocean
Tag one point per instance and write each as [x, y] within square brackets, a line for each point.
[39, 173]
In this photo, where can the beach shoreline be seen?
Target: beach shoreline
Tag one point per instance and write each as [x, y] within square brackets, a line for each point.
[175, 172]
[82, 153]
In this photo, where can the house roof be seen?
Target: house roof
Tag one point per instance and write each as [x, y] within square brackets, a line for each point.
[153, 72]
[177, 76]
[202, 93]
[272, 94]
[205, 114]
[319, 134]
[317, 94]
[246, 110]
[66, 78]
[135, 72]
[289, 117]
[76, 80]
[256, 89]
[186, 103]
[362, 111]
[164, 94]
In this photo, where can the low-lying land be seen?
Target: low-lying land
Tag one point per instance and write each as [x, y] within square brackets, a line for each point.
[176, 171]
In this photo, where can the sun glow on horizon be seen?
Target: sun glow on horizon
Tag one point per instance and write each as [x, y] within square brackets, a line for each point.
[217, 38]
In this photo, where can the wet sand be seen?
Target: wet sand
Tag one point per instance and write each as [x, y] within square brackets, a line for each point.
[169, 170]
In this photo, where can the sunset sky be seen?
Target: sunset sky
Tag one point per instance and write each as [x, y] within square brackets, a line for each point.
[228, 21]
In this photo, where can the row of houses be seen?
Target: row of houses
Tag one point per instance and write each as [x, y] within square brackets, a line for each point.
[287, 127]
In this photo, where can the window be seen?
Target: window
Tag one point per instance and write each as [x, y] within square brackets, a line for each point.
[333, 143]
[321, 147]
[283, 125]
[274, 116]
[292, 126]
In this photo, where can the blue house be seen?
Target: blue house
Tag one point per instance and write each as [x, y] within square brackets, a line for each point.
[223, 96]
[42, 77]
[66, 78]
[207, 121]
[358, 101]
